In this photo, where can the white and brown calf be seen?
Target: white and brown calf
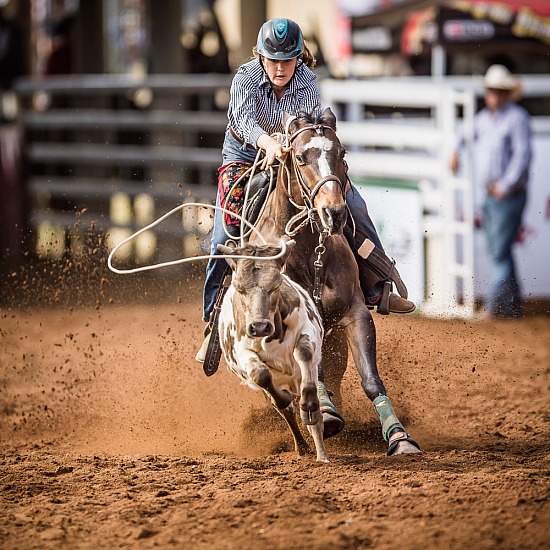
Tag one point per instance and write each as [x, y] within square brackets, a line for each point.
[271, 335]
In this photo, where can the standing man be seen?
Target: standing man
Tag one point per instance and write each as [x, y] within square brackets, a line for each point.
[503, 154]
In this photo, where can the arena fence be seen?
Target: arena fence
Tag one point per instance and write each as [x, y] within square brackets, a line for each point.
[405, 129]
[407, 133]
[113, 153]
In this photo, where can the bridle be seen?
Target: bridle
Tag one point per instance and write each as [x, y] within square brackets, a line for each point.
[307, 213]
[309, 194]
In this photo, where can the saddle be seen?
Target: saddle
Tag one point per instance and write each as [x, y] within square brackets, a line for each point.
[259, 191]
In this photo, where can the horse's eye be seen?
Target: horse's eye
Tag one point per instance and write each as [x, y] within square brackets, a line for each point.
[300, 159]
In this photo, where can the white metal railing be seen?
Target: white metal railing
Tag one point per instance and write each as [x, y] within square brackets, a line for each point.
[413, 141]
[417, 147]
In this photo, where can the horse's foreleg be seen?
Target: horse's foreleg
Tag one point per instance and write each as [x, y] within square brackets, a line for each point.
[334, 363]
[331, 372]
[361, 335]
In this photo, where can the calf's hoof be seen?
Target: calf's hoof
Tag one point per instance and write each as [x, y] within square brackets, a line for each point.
[302, 449]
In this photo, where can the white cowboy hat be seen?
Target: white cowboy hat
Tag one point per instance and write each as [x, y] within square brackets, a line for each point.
[498, 77]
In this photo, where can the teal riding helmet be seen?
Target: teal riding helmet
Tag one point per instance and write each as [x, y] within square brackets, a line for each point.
[280, 39]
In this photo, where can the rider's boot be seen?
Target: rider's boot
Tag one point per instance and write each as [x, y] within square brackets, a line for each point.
[378, 272]
[201, 354]
[333, 423]
[389, 302]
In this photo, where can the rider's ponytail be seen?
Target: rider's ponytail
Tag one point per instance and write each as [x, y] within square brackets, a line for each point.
[308, 58]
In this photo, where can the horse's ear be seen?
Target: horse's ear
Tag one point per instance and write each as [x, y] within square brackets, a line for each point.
[228, 250]
[287, 120]
[329, 118]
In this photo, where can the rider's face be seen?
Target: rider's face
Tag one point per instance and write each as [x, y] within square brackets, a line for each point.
[280, 72]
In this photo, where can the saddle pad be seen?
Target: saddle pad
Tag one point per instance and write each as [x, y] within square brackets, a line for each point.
[231, 195]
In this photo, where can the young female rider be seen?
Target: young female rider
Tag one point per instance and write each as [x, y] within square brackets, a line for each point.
[278, 79]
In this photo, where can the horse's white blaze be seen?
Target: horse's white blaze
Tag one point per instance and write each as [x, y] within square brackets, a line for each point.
[324, 145]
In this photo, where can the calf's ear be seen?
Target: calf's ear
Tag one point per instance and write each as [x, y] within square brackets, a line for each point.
[228, 250]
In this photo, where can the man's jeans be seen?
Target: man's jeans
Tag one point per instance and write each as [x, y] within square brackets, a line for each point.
[501, 223]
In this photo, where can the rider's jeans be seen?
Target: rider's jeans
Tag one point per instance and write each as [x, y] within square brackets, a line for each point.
[359, 211]
[234, 151]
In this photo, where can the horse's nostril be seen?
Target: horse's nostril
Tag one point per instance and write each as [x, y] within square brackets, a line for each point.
[326, 217]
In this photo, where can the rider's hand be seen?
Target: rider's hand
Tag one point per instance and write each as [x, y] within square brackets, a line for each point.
[273, 150]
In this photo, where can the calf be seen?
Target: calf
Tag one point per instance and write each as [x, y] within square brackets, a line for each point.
[271, 336]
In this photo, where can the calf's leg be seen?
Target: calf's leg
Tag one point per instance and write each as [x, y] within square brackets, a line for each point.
[312, 417]
[310, 411]
[289, 414]
[281, 400]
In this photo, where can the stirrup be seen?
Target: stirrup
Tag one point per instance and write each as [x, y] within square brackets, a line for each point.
[384, 304]
[214, 350]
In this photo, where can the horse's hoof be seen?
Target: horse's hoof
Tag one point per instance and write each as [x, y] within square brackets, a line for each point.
[333, 423]
[302, 449]
[401, 443]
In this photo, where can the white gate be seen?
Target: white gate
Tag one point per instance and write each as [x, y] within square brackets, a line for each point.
[405, 130]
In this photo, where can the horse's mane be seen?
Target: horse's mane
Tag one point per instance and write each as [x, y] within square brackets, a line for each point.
[322, 118]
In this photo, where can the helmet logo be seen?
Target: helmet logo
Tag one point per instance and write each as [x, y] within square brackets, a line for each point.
[280, 27]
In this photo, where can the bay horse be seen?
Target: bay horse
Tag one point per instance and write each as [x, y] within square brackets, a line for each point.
[308, 205]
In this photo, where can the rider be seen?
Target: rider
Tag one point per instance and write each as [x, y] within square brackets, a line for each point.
[279, 79]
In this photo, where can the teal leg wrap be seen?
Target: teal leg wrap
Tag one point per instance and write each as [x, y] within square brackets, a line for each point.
[323, 395]
[386, 414]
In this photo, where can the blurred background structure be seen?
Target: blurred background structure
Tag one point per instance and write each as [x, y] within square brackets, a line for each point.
[113, 112]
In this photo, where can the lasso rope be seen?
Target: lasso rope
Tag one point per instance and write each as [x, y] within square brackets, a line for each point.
[194, 258]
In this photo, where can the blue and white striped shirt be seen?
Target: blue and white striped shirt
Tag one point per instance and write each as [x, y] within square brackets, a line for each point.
[503, 147]
[253, 107]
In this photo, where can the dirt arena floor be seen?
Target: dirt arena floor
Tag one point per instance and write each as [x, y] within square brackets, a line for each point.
[112, 437]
